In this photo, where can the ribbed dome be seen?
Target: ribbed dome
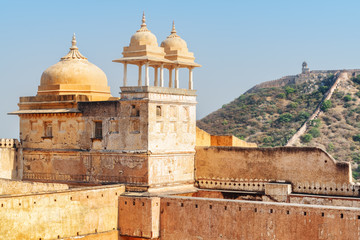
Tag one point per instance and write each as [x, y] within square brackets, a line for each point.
[174, 42]
[143, 36]
[74, 74]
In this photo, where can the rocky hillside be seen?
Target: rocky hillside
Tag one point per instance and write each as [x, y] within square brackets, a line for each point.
[271, 113]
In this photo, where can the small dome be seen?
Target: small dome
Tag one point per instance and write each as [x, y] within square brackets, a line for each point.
[174, 42]
[74, 74]
[143, 36]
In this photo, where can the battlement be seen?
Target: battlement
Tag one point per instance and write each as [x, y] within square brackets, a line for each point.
[9, 143]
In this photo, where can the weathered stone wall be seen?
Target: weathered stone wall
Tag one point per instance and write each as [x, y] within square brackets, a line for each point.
[199, 218]
[64, 214]
[202, 138]
[10, 159]
[78, 166]
[230, 141]
[309, 170]
[324, 200]
[10, 187]
[139, 216]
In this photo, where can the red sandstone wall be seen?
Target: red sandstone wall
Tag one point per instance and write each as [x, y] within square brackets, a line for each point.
[199, 218]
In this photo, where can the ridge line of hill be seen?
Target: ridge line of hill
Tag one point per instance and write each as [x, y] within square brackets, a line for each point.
[343, 75]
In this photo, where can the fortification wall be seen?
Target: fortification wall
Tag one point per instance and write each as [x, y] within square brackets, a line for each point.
[11, 187]
[199, 218]
[309, 170]
[10, 159]
[77, 213]
[139, 216]
[204, 139]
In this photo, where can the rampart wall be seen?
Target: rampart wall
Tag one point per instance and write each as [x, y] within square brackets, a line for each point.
[200, 218]
[11, 187]
[10, 159]
[236, 168]
[205, 139]
[77, 213]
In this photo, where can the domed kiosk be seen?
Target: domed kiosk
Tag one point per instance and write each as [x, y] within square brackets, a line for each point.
[74, 74]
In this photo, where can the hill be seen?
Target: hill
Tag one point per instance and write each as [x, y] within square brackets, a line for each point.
[319, 108]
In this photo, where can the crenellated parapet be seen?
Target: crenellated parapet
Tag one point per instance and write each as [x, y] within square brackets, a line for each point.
[9, 143]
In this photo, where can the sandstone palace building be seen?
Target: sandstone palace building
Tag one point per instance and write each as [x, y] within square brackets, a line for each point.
[89, 165]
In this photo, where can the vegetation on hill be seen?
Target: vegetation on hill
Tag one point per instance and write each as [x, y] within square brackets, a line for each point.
[271, 116]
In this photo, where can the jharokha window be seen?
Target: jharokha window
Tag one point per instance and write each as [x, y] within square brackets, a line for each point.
[48, 129]
[98, 129]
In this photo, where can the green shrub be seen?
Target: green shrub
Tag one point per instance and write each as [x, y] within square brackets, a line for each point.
[315, 123]
[225, 122]
[285, 117]
[347, 98]
[281, 95]
[302, 116]
[306, 138]
[289, 90]
[293, 105]
[326, 105]
[330, 147]
[356, 138]
[267, 139]
[356, 79]
[315, 132]
[323, 89]
[358, 94]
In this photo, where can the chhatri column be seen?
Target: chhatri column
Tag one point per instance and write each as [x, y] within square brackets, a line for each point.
[176, 77]
[191, 84]
[170, 77]
[156, 82]
[125, 74]
[162, 75]
[139, 79]
[147, 81]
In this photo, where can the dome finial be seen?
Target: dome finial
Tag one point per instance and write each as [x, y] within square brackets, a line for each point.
[143, 25]
[173, 27]
[143, 20]
[73, 42]
[74, 51]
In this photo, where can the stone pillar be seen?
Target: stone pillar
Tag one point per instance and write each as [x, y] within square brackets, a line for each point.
[139, 79]
[191, 84]
[125, 75]
[170, 77]
[156, 82]
[177, 77]
[147, 81]
[162, 75]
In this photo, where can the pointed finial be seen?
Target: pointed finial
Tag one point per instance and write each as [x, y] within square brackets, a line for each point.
[73, 42]
[173, 28]
[143, 20]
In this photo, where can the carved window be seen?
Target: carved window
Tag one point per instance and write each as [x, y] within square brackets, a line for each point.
[48, 129]
[98, 129]
[135, 112]
[158, 111]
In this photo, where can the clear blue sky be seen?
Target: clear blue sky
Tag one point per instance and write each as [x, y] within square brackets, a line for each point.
[239, 43]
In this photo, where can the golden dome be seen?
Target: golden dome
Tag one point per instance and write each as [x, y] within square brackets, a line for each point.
[143, 36]
[174, 42]
[74, 74]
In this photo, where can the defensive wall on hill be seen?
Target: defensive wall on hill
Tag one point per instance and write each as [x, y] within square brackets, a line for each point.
[297, 79]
